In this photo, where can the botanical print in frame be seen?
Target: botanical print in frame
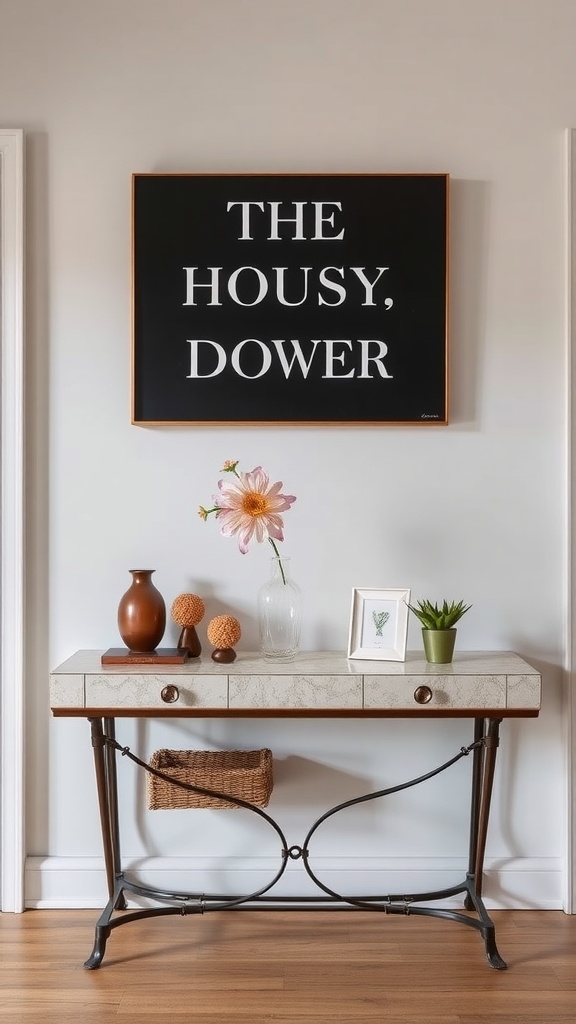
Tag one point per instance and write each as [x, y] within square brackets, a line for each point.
[378, 624]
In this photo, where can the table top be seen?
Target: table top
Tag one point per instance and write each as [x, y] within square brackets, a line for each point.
[323, 683]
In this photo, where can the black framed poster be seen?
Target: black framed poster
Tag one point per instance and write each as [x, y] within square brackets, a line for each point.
[290, 298]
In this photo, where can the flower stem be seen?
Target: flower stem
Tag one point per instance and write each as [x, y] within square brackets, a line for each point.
[277, 553]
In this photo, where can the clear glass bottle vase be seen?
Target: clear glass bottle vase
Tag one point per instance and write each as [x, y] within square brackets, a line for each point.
[279, 613]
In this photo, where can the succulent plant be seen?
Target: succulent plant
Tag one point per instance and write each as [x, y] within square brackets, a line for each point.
[445, 616]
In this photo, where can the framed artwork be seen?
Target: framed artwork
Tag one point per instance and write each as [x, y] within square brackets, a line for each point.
[289, 299]
[378, 624]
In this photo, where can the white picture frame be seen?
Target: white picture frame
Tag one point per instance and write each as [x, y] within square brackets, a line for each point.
[378, 624]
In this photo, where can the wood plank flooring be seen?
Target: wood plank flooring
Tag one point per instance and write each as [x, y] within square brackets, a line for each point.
[298, 967]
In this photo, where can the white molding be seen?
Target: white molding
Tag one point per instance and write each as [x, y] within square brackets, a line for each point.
[518, 883]
[12, 519]
[570, 668]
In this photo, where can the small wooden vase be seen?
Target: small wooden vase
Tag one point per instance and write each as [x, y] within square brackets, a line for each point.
[142, 614]
[187, 611]
[223, 632]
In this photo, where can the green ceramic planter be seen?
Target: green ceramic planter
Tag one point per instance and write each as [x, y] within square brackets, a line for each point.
[439, 645]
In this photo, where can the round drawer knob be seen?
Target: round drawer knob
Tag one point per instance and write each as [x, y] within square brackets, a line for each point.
[422, 694]
[170, 694]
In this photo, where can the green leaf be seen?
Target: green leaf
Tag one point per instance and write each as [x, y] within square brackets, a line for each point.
[433, 616]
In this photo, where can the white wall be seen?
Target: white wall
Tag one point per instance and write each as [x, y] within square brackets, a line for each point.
[481, 89]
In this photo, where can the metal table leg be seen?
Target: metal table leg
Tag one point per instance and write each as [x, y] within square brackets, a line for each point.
[112, 788]
[490, 748]
[108, 822]
[478, 758]
[484, 763]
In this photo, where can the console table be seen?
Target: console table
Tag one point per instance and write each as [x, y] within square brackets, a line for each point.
[482, 686]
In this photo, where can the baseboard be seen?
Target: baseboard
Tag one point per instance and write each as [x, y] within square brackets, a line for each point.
[529, 883]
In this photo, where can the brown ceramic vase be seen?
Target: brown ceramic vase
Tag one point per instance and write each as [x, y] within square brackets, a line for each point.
[142, 614]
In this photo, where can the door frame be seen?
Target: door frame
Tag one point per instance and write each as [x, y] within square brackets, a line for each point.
[570, 665]
[12, 832]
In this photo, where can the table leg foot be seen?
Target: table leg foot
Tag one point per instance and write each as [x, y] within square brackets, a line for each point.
[492, 954]
[97, 954]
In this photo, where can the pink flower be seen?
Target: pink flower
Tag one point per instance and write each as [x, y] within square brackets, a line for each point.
[251, 508]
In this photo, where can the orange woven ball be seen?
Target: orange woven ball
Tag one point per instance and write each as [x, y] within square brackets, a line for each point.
[224, 631]
[188, 609]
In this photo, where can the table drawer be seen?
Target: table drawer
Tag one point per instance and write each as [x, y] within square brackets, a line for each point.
[146, 691]
[434, 692]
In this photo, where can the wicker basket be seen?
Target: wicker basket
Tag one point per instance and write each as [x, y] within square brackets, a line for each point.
[245, 774]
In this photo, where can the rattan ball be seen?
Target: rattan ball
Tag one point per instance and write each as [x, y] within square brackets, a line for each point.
[188, 609]
[224, 631]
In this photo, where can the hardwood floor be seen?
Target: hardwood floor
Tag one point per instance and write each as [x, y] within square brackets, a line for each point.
[258, 967]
